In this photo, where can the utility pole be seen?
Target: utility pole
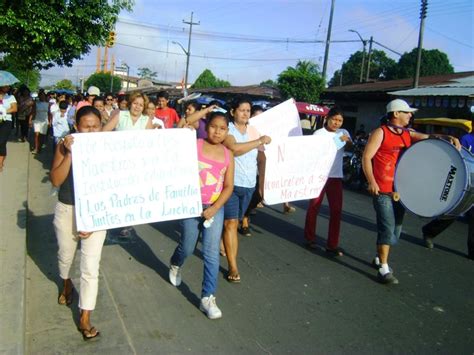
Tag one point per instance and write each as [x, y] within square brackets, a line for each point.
[369, 57]
[328, 40]
[362, 65]
[188, 53]
[424, 6]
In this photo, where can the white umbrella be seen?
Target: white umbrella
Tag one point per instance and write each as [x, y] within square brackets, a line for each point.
[7, 78]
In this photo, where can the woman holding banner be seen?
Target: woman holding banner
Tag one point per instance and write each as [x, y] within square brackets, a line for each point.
[246, 144]
[135, 118]
[332, 188]
[88, 119]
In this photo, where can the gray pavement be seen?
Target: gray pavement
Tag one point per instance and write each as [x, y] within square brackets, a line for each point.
[291, 299]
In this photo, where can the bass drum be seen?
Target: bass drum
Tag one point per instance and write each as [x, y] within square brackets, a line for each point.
[434, 179]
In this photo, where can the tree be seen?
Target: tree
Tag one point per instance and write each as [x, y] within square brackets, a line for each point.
[433, 62]
[65, 84]
[208, 80]
[43, 33]
[146, 73]
[380, 68]
[28, 76]
[102, 81]
[303, 82]
[268, 82]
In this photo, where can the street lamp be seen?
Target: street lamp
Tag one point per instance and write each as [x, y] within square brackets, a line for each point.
[185, 89]
[128, 74]
[364, 42]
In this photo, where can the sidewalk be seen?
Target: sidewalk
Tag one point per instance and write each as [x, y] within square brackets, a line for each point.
[13, 219]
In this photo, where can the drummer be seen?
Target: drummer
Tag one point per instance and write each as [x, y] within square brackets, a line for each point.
[379, 160]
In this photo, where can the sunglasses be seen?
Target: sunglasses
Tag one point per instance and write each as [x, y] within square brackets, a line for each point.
[107, 99]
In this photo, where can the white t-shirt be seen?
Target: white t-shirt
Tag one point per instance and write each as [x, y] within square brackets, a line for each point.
[8, 100]
[60, 125]
[336, 169]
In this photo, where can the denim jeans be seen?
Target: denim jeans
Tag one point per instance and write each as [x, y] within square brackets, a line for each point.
[389, 219]
[211, 237]
[238, 202]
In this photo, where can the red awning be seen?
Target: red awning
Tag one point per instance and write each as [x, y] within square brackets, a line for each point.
[312, 109]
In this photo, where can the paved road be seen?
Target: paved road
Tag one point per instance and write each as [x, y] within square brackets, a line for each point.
[291, 299]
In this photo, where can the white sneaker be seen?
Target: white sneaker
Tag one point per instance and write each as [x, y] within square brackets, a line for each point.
[175, 275]
[208, 305]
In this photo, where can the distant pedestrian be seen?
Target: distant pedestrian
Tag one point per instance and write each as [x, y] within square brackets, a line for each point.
[26, 112]
[216, 172]
[165, 113]
[87, 120]
[92, 93]
[60, 124]
[41, 122]
[8, 106]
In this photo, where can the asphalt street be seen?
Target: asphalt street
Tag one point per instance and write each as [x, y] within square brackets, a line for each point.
[291, 299]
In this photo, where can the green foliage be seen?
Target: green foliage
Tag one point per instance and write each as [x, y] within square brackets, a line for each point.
[433, 62]
[208, 80]
[268, 82]
[43, 33]
[27, 75]
[102, 81]
[381, 68]
[146, 73]
[303, 82]
[65, 84]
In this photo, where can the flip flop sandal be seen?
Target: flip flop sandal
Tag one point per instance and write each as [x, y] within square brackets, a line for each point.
[235, 278]
[311, 245]
[66, 300]
[85, 333]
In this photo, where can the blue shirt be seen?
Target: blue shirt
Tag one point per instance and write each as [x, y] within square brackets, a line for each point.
[467, 141]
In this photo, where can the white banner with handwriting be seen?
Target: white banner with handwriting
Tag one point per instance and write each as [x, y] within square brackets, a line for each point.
[297, 168]
[135, 177]
[279, 122]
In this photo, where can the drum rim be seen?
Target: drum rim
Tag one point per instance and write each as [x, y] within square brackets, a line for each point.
[464, 188]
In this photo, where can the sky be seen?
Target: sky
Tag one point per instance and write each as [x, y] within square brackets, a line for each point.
[246, 42]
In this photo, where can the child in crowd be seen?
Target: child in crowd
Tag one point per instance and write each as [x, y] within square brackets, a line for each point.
[216, 171]
[60, 123]
[165, 113]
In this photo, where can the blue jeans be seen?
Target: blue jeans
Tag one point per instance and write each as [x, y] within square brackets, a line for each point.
[238, 202]
[211, 237]
[389, 219]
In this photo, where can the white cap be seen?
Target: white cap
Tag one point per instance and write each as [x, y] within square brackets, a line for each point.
[399, 105]
[93, 90]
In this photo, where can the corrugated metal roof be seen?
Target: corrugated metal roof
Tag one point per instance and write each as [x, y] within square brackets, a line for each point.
[458, 87]
[400, 84]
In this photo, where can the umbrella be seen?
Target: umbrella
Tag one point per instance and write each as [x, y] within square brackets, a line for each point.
[7, 78]
[312, 109]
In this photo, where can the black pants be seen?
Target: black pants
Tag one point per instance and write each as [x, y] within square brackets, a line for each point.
[5, 129]
[437, 226]
[23, 125]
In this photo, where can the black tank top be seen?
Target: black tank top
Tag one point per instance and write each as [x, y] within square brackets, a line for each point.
[66, 190]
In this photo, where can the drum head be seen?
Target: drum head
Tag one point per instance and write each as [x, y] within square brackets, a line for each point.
[431, 178]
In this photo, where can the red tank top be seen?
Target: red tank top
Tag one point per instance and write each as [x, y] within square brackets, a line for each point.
[385, 160]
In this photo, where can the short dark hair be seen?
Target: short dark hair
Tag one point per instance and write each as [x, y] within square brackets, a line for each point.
[63, 105]
[255, 108]
[163, 94]
[213, 115]
[334, 112]
[98, 98]
[86, 110]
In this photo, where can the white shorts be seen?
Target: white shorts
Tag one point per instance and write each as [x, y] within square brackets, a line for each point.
[40, 127]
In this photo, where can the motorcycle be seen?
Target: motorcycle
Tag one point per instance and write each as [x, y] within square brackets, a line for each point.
[353, 174]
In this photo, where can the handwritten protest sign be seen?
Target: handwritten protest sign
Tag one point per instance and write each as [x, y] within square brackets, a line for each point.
[279, 122]
[297, 168]
[134, 177]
